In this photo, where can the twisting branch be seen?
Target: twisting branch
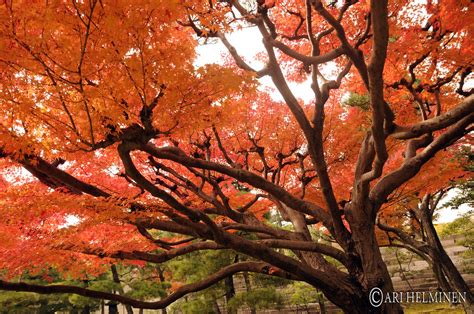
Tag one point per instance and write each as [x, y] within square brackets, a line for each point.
[308, 60]
[156, 258]
[161, 243]
[404, 237]
[49, 174]
[164, 225]
[460, 89]
[442, 121]
[257, 267]
[147, 110]
[222, 149]
[315, 143]
[354, 54]
[238, 59]
[177, 155]
[132, 172]
[379, 16]
[412, 166]
[295, 35]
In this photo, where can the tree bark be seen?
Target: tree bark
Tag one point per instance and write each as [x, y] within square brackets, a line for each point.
[444, 285]
[442, 261]
[375, 272]
[369, 269]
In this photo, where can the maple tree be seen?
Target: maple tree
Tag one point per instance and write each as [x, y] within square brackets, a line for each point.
[103, 104]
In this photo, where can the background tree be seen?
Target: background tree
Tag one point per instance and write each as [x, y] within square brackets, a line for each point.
[422, 238]
[102, 103]
[409, 220]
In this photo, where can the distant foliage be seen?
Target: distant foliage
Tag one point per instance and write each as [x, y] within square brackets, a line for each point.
[361, 101]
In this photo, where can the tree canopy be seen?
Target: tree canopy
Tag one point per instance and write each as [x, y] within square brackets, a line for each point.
[117, 145]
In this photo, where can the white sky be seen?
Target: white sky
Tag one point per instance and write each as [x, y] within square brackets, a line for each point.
[449, 214]
[248, 43]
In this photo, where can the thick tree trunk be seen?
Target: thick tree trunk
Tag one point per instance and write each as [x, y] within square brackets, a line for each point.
[439, 275]
[353, 300]
[358, 301]
[341, 289]
[369, 268]
[374, 270]
[442, 261]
